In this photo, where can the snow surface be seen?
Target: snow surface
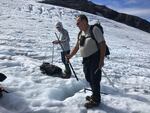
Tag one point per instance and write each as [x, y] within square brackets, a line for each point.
[26, 31]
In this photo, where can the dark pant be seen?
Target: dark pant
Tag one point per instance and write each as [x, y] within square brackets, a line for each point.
[68, 71]
[90, 64]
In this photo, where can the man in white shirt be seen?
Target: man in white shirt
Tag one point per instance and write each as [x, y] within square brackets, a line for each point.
[93, 57]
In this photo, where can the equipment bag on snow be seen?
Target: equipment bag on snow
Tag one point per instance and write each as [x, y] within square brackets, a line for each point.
[2, 77]
[50, 69]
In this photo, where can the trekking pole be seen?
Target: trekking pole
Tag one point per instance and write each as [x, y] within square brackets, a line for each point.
[105, 76]
[86, 89]
[68, 61]
[52, 53]
[5, 91]
[108, 79]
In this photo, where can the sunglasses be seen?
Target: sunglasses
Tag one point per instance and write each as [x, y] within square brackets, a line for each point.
[58, 27]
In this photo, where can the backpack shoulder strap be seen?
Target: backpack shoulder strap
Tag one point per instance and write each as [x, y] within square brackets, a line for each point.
[79, 34]
[92, 35]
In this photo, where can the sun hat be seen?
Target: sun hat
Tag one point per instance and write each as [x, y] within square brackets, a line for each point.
[59, 25]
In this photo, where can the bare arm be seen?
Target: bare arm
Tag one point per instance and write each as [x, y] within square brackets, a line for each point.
[73, 51]
[102, 53]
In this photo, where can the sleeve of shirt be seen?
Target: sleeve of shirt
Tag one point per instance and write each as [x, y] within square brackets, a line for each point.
[98, 34]
[65, 36]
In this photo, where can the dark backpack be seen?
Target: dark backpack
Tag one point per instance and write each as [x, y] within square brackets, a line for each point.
[2, 77]
[93, 37]
[50, 69]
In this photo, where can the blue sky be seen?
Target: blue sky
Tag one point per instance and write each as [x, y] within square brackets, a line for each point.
[139, 8]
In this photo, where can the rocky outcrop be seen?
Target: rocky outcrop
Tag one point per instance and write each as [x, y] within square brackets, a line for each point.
[87, 6]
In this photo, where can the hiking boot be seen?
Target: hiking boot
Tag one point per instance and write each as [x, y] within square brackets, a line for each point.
[66, 74]
[88, 98]
[91, 104]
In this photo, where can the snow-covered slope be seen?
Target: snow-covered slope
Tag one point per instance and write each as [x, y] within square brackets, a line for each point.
[26, 31]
